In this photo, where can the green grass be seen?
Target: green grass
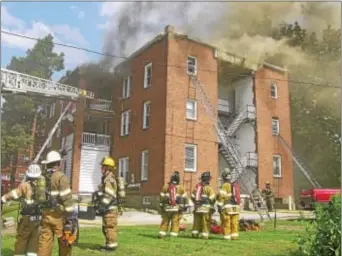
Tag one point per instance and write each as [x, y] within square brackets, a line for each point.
[142, 241]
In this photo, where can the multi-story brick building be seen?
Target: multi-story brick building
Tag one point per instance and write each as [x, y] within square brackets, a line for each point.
[161, 124]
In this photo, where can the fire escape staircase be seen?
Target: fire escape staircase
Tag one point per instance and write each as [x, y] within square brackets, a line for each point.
[247, 115]
[230, 152]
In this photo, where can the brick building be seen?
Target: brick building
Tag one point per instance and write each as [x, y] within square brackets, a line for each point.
[161, 124]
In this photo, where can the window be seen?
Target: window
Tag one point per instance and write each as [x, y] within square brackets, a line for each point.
[191, 109]
[123, 168]
[146, 114]
[277, 166]
[190, 157]
[125, 122]
[147, 200]
[126, 87]
[148, 75]
[52, 110]
[274, 90]
[192, 66]
[275, 126]
[144, 165]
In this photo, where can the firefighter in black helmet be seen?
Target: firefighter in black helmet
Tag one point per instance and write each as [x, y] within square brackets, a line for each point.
[203, 198]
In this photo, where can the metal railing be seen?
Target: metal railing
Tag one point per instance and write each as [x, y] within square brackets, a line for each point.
[95, 139]
[101, 105]
[224, 106]
[251, 159]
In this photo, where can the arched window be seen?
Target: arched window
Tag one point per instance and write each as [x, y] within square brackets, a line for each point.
[274, 90]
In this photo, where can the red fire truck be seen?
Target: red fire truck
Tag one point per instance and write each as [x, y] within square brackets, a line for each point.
[308, 198]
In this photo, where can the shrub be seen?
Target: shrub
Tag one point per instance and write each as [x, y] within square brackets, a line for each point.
[323, 236]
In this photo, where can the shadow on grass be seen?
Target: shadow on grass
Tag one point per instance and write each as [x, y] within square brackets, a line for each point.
[87, 246]
[7, 252]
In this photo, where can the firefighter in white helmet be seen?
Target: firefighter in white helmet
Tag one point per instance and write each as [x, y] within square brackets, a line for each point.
[58, 218]
[32, 194]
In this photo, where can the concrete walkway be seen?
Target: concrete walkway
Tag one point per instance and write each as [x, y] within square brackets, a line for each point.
[142, 218]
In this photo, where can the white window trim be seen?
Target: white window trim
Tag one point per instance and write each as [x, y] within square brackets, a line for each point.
[127, 131]
[280, 163]
[145, 75]
[146, 103]
[126, 92]
[195, 157]
[125, 172]
[278, 126]
[144, 172]
[195, 106]
[187, 65]
[274, 85]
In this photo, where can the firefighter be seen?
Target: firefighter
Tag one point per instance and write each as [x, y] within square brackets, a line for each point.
[203, 198]
[109, 196]
[268, 195]
[58, 215]
[228, 206]
[173, 202]
[32, 194]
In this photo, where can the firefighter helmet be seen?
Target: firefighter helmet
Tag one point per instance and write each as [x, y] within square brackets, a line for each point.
[34, 171]
[175, 178]
[226, 174]
[108, 161]
[52, 157]
[206, 176]
[267, 183]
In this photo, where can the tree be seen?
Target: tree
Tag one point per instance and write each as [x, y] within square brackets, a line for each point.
[18, 111]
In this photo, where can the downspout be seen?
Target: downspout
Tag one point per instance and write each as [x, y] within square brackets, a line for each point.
[255, 126]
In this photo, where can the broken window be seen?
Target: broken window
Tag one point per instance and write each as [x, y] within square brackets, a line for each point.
[148, 75]
[274, 90]
[192, 66]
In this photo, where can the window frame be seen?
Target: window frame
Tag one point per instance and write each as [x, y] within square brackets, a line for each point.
[275, 119]
[127, 126]
[278, 157]
[147, 66]
[195, 65]
[144, 164]
[145, 116]
[125, 172]
[195, 109]
[126, 87]
[274, 87]
[194, 146]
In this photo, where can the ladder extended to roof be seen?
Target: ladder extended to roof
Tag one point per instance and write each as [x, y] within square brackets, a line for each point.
[15, 82]
[231, 154]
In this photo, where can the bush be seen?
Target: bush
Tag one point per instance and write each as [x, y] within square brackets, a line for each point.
[323, 236]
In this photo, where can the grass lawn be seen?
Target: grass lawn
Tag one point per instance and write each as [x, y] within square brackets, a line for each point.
[142, 241]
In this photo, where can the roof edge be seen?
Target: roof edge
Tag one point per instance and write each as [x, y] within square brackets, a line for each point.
[277, 68]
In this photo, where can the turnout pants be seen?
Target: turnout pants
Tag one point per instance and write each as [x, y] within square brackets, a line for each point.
[26, 242]
[174, 218]
[109, 228]
[270, 204]
[52, 224]
[230, 225]
[201, 225]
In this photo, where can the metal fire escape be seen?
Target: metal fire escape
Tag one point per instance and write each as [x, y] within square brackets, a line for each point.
[248, 114]
[15, 82]
[303, 168]
[230, 153]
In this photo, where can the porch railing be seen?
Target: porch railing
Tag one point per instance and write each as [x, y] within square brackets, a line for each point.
[95, 139]
[101, 105]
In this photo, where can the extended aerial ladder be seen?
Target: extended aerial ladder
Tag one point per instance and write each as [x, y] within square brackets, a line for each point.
[19, 83]
[231, 154]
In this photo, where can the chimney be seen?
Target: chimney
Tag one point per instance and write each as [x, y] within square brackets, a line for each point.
[170, 29]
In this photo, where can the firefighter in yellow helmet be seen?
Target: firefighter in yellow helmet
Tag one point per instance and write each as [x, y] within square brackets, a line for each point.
[32, 194]
[203, 198]
[59, 216]
[109, 196]
[173, 202]
[268, 195]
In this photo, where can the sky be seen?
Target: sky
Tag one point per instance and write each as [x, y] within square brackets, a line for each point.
[77, 23]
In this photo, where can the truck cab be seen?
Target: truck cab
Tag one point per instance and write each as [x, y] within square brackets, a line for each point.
[308, 198]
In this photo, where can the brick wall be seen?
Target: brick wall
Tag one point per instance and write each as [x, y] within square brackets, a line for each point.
[179, 130]
[151, 139]
[267, 145]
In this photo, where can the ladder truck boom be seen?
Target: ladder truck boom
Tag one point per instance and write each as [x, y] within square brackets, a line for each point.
[15, 82]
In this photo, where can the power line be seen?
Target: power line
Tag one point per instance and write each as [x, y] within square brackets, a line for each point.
[172, 65]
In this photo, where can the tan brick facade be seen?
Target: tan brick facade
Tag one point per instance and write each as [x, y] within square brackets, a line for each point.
[267, 145]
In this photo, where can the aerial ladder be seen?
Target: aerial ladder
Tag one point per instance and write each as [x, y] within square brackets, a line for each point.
[231, 154]
[19, 83]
